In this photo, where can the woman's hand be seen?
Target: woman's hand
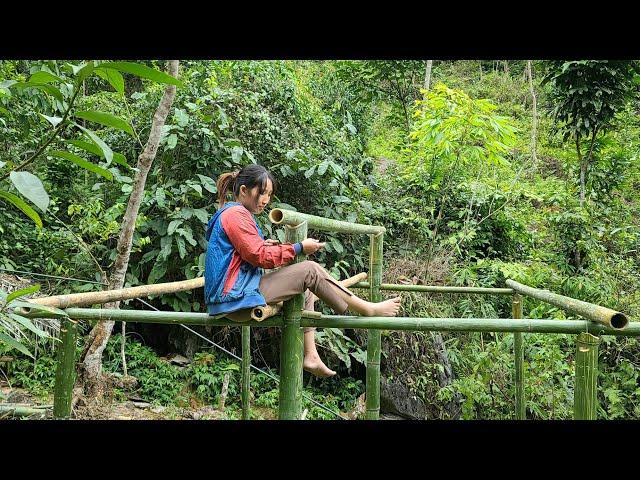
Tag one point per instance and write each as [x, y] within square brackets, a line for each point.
[311, 245]
[270, 241]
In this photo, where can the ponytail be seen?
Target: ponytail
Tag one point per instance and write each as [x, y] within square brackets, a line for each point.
[251, 176]
[224, 181]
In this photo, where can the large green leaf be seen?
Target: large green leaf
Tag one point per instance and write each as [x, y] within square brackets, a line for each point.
[44, 77]
[14, 344]
[25, 322]
[93, 148]
[107, 153]
[22, 205]
[22, 292]
[105, 119]
[143, 72]
[31, 187]
[83, 163]
[112, 76]
[50, 89]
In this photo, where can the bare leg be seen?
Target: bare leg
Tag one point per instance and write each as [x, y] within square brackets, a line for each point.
[312, 362]
[386, 308]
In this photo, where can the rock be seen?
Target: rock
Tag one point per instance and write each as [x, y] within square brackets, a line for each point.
[396, 398]
[141, 404]
[177, 359]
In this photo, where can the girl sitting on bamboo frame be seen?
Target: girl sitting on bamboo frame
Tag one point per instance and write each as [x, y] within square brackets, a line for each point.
[238, 252]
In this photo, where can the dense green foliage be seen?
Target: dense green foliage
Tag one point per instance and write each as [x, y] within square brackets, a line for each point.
[448, 172]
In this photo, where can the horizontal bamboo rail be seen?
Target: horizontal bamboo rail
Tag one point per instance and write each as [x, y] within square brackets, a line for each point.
[437, 289]
[524, 325]
[105, 296]
[289, 217]
[603, 315]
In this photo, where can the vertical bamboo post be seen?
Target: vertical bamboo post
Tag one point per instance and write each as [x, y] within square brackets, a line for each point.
[374, 341]
[291, 347]
[246, 371]
[518, 350]
[65, 369]
[585, 393]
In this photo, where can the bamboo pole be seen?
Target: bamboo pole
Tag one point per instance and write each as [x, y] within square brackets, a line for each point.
[525, 325]
[518, 351]
[65, 369]
[374, 340]
[585, 393]
[599, 314]
[246, 371]
[263, 312]
[17, 410]
[105, 296]
[288, 217]
[291, 346]
[437, 289]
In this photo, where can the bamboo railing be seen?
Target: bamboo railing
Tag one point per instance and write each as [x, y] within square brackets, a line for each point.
[599, 321]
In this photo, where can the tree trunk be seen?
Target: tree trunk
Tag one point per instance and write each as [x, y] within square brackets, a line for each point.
[91, 363]
[427, 75]
[534, 127]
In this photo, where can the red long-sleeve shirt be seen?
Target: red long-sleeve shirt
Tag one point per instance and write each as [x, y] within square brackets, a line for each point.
[240, 226]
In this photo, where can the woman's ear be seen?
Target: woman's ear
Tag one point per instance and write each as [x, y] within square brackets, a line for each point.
[243, 190]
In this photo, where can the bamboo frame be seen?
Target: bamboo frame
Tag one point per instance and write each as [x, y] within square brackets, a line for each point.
[437, 289]
[518, 352]
[599, 314]
[291, 345]
[246, 372]
[374, 342]
[524, 325]
[291, 218]
[585, 392]
[65, 369]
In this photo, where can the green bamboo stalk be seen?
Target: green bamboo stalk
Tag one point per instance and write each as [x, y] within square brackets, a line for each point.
[246, 372]
[374, 341]
[599, 314]
[585, 394]
[288, 217]
[436, 289]
[291, 346]
[65, 369]
[525, 325]
[518, 351]
[13, 410]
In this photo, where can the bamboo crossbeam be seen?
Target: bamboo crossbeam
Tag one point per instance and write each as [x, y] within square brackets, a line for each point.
[289, 217]
[603, 315]
[20, 410]
[263, 312]
[105, 296]
[524, 325]
[437, 289]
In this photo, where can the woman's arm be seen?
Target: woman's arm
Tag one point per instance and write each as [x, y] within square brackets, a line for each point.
[239, 225]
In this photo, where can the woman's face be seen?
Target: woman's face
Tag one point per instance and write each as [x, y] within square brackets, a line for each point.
[253, 200]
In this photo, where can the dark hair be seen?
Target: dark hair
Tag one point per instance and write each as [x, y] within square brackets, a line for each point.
[251, 176]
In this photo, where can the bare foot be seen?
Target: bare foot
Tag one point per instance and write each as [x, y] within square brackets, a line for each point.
[388, 308]
[314, 365]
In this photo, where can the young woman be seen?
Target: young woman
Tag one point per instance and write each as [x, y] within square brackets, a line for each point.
[238, 252]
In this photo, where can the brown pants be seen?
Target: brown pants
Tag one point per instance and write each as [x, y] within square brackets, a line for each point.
[305, 277]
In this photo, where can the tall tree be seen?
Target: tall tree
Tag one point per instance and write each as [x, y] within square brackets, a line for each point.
[585, 97]
[534, 124]
[427, 74]
[91, 363]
